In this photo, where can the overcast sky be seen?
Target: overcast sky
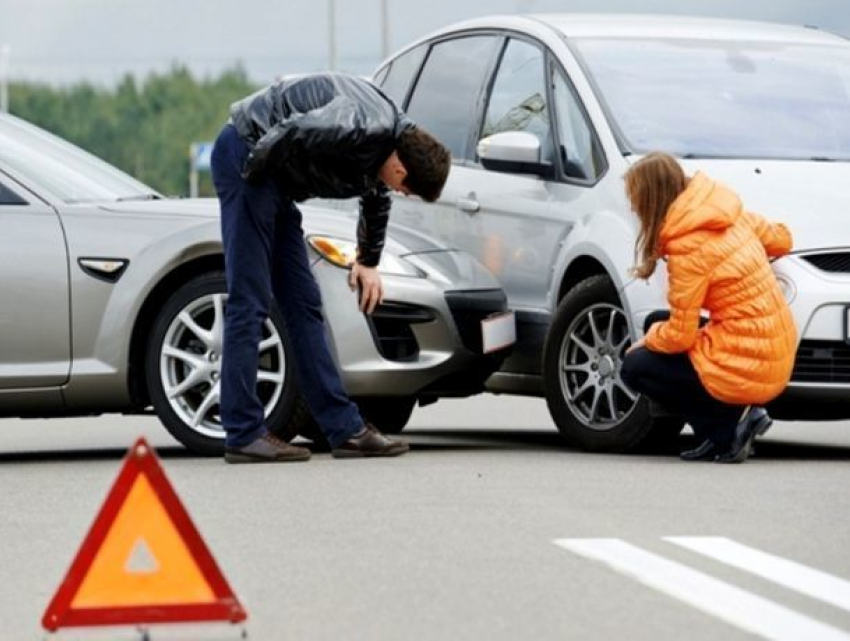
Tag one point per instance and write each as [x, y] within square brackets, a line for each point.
[63, 41]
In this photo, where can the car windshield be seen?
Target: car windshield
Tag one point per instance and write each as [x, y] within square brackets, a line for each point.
[726, 99]
[66, 171]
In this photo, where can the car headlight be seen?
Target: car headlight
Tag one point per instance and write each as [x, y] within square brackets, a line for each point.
[343, 252]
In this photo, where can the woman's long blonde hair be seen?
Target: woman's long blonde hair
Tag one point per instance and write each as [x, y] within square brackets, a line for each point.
[652, 184]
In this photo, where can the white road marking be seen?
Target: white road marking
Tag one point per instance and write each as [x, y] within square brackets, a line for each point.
[723, 600]
[789, 574]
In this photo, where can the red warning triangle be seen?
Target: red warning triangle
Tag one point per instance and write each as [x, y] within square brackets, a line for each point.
[142, 561]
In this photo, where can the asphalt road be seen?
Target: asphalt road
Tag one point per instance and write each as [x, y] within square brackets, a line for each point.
[489, 529]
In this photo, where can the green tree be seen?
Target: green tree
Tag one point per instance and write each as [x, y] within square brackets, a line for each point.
[145, 128]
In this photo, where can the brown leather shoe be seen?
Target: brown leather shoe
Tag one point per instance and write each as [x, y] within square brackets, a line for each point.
[370, 442]
[266, 449]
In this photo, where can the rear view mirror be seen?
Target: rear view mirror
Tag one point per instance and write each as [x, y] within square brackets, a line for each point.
[513, 151]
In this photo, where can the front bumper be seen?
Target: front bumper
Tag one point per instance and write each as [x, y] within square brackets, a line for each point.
[424, 341]
[468, 310]
[819, 301]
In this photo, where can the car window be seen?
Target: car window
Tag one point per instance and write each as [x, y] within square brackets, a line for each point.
[518, 99]
[68, 172]
[400, 74]
[446, 98]
[9, 197]
[725, 99]
[581, 155]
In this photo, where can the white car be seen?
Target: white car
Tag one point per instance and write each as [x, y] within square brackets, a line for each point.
[545, 114]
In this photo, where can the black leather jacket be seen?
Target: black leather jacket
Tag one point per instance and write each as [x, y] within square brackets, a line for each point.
[326, 136]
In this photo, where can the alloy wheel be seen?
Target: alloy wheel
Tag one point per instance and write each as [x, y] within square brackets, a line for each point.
[190, 364]
[591, 355]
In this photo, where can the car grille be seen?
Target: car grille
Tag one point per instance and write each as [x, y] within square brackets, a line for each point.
[837, 262]
[390, 325]
[469, 308]
[822, 362]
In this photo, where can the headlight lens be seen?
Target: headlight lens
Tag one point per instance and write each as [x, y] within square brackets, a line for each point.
[339, 252]
[343, 252]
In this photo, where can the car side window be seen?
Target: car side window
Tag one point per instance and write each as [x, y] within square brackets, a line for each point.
[400, 73]
[9, 197]
[518, 100]
[581, 155]
[446, 97]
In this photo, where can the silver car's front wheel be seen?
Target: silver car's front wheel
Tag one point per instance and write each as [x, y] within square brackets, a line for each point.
[184, 366]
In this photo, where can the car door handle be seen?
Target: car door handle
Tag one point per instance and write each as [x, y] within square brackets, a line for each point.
[469, 204]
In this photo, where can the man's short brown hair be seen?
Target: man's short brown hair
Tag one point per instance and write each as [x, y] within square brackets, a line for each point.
[427, 162]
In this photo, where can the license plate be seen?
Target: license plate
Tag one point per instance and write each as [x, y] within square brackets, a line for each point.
[498, 332]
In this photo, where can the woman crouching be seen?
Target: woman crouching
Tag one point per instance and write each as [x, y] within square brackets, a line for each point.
[716, 373]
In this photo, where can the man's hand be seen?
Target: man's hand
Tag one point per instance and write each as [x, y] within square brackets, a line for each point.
[368, 281]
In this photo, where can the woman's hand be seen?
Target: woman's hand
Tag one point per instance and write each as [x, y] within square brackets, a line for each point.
[642, 341]
[636, 345]
[368, 281]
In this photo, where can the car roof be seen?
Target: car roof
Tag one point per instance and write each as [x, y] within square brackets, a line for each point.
[613, 25]
[668, 26]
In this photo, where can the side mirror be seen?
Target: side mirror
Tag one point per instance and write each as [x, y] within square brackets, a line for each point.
[515, 152]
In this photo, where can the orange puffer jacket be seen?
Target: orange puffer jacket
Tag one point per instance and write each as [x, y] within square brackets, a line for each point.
[717, 260]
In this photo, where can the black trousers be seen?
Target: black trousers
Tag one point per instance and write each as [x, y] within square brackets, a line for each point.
[672, 381]
[265, 256]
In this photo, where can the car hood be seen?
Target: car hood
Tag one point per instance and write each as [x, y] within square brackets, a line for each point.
[343, 224]
[200, 207]
[317, 220]
[812, 198]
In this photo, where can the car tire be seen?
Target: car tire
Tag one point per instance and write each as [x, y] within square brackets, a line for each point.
[182, 367]
[389, 414]
[584, 348]
[311, 431]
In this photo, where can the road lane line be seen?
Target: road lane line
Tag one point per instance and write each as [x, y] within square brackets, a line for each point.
[723, 600]
[790, 574]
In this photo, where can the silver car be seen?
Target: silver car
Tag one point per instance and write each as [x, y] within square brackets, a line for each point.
[545, 114]
[113, 297]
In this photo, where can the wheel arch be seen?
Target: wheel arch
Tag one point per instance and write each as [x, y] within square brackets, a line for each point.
[169, 283]
[600, 243]
[586, 259]
[581, 268]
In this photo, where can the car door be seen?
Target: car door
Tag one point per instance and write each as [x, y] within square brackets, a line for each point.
[519, 222]
[35, 336]
[512, 229]
[444, 101]
[513, 223]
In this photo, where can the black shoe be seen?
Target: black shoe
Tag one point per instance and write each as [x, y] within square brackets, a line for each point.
[369, 442]
[762, 420]
[705, 451]
[754, 422]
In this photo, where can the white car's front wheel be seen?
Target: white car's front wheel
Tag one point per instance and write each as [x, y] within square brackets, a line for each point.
[584, 351]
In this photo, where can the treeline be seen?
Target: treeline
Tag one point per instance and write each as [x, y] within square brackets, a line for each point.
[144, 127]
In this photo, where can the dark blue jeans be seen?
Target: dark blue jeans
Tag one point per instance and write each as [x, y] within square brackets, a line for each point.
[672, 381]
[264, 253]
